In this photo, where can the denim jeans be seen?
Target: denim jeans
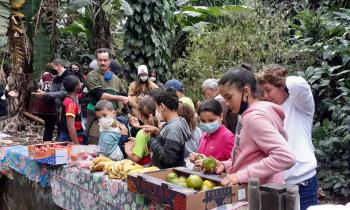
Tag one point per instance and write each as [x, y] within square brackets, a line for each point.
[308, 193]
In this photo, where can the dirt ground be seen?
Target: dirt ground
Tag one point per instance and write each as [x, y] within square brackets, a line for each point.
[21, 131]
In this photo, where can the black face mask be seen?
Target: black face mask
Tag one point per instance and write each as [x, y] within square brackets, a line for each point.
[244, 105]
[53, 71]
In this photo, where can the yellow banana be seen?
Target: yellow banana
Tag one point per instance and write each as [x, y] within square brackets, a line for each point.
[101, 159]
[126, 161]
[114, 176]
[120, 167]
[107, 166]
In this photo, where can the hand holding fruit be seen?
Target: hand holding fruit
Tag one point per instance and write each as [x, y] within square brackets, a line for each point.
[230, 179]
[209, 165]
[195, 156]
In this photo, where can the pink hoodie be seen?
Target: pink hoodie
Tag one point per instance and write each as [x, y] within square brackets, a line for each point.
[261, 148]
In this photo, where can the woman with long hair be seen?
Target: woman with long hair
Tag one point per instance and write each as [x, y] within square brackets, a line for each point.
[261, 149]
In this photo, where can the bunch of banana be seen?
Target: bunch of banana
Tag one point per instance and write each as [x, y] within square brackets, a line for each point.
[120, 169]
[144, 170]
[99, 163]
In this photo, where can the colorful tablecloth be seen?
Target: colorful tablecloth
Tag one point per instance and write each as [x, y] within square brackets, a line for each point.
[5, 169]
[16, 158]
[74, 188]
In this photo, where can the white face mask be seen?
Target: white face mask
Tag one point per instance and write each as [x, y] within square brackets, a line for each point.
[159, 116]
[153, 79]
[106, 122]
[144, 78]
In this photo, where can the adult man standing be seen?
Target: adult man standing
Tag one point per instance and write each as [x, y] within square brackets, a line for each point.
[56, 92]
[210, 90]
[102, 84]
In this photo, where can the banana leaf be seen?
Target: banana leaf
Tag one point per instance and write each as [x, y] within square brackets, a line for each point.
[42, 52]
[5, 12]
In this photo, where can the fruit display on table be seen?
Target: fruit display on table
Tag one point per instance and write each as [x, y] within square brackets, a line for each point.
[184, 188]
[118, 169]
[192, 181]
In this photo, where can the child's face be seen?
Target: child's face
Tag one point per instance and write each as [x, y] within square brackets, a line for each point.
[105, 113]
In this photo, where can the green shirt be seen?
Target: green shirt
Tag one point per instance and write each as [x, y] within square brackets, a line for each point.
[95, 79]
[140, 147]
[188, 101]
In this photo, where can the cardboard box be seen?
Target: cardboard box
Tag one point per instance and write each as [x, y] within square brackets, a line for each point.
[153, 186]
[51, 153]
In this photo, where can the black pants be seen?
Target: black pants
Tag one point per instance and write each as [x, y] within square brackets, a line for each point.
[50, 122]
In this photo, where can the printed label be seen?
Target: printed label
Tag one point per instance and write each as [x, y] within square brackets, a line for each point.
[241, 194]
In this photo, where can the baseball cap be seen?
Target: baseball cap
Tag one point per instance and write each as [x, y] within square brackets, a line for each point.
[175, 84]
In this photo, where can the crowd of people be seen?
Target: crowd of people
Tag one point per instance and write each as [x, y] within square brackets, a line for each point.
[253, 125]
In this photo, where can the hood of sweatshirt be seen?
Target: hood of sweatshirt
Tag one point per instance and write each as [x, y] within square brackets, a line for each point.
[266, 110]
[180, 126]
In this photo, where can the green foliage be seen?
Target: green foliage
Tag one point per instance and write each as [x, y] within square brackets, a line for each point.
[330, 80]
[193, 17]
[42, 53]
[40, 29]
[252, 37]
[4, 17]
[150, 37]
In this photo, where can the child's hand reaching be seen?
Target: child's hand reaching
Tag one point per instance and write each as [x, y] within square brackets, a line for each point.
[134, 122]
[150, 129]
[123, 129]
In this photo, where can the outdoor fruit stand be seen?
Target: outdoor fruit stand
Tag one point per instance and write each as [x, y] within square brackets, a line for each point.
[74, 177]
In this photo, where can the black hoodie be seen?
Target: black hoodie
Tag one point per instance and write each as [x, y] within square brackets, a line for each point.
[57, 91]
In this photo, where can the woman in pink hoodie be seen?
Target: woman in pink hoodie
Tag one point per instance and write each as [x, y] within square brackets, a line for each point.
[261, 148]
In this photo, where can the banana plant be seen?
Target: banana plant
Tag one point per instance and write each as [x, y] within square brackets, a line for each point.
[5, 12]
[192, 15]
[94, 19]
[26, 25]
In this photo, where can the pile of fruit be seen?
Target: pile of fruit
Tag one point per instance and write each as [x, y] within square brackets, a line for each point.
[192, 181]
[118, 169]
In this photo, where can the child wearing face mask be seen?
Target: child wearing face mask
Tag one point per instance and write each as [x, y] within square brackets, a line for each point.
[113, 134]
[216, 141]
[70, 125]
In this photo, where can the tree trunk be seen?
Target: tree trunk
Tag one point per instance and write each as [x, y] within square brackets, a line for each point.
[20, 54]
[102, 33]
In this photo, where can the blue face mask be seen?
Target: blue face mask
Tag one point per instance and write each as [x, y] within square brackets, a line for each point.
[108, 76]
[210, 127]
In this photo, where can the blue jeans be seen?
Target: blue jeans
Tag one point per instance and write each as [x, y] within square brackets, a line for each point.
[65, 136]
[308, 193]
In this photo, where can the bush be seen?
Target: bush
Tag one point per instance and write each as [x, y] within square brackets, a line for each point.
[330, 80]
[246, 37]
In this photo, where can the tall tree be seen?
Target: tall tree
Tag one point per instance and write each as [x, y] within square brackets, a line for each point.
[101, 30]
